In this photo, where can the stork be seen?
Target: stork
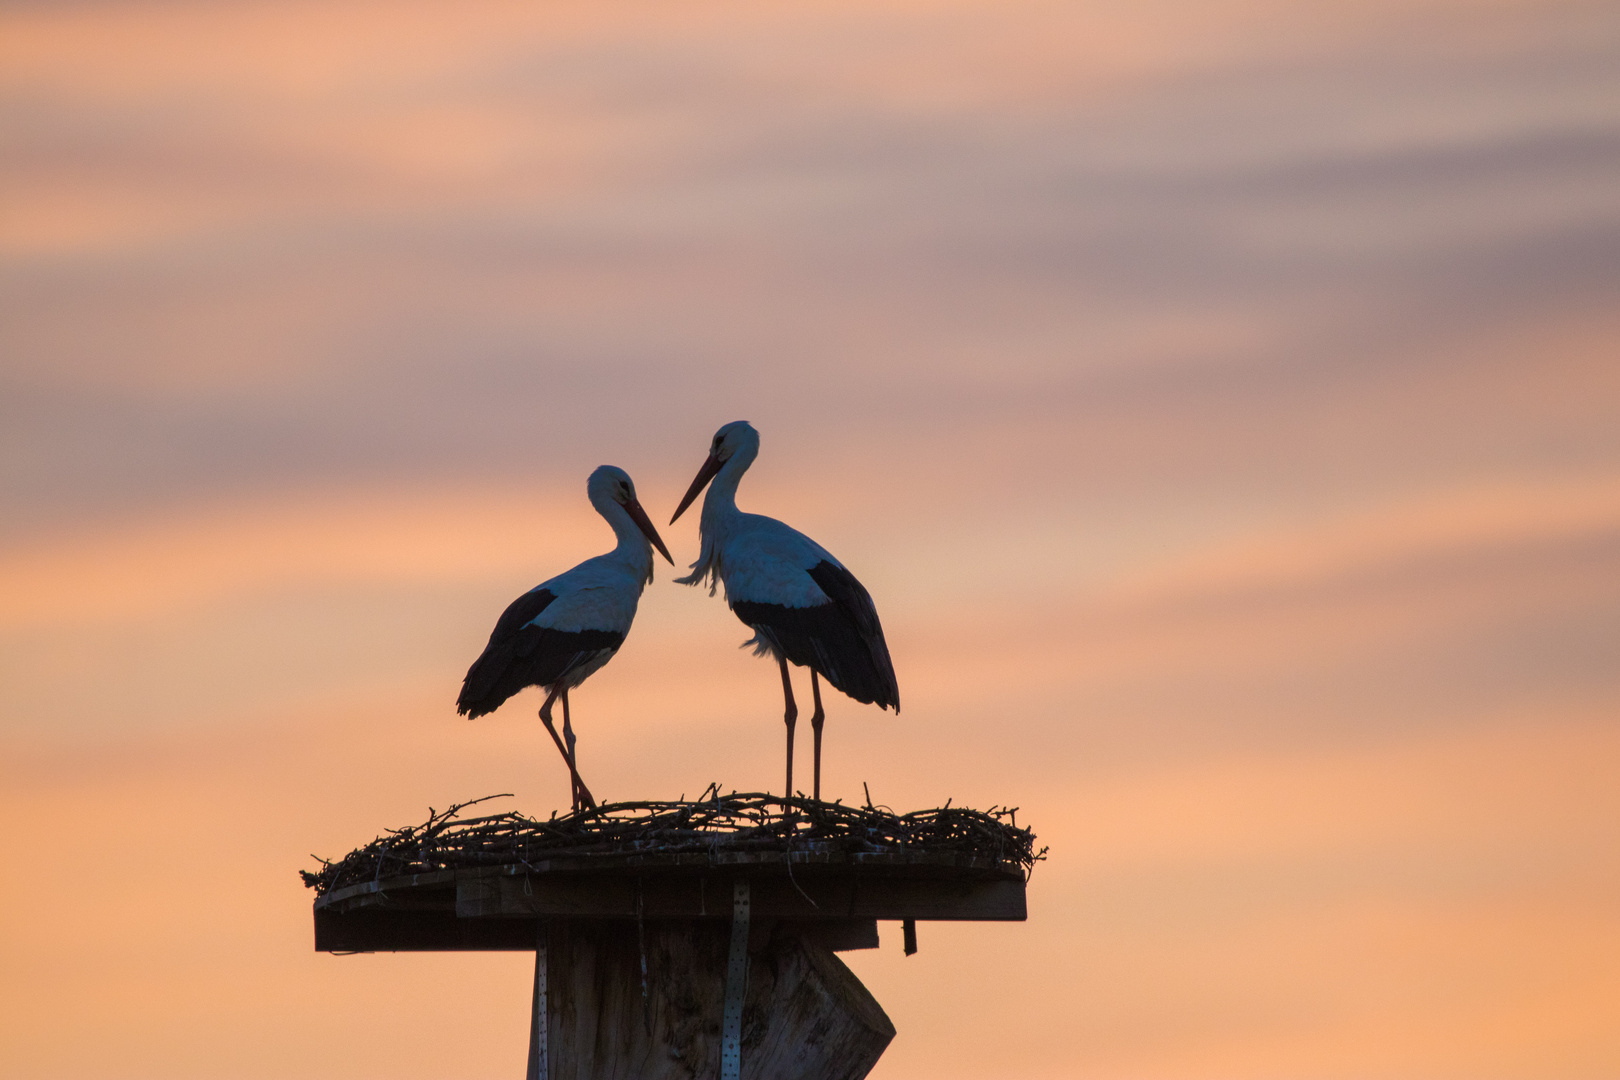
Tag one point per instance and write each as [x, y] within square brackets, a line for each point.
[563, 630]
[800, 602]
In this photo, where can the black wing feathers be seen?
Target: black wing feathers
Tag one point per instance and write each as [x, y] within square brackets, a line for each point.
[520, 655]
[520, 612]
[855, 602]
[842, 640]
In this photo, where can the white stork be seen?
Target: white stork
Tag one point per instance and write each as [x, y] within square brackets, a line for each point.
[560, 632]
[800, 602]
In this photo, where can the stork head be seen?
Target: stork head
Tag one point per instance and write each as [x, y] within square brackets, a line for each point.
[732, 438]
[737, 437]
[610, 484]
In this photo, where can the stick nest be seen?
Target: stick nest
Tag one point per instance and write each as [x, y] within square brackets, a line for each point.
[711, 823]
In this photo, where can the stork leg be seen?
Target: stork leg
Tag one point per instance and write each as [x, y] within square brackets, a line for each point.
[816, 718]
[573, 760]
[545, 715]
[582, 795]
[790, 717]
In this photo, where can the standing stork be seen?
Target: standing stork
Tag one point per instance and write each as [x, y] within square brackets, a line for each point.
[560, 632]
[800, 602]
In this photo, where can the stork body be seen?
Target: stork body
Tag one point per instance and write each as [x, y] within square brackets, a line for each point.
[802, 604]
[565, 629]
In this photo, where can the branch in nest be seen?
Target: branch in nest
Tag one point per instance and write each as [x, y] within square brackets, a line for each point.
[714, 822]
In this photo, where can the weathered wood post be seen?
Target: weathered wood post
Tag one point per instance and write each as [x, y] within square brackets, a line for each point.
[656, 958]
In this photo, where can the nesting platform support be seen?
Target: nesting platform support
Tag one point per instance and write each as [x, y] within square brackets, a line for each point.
[637, 958]
[800, 1012]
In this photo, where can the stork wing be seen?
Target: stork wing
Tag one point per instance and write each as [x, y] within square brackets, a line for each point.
[855, 602]
[488, 681]
[520, 612]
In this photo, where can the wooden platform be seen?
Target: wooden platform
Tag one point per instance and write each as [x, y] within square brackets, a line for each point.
[826, 895]
[681, 939]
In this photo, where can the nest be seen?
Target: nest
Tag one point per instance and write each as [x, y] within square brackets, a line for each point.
[711, 823]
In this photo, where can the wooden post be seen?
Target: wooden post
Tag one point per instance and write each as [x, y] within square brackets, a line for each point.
[804, 1015]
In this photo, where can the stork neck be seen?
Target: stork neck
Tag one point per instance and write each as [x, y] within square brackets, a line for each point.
[721, 499]
[631, 545]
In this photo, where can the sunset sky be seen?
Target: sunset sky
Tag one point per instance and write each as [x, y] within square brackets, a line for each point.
[1220, 400]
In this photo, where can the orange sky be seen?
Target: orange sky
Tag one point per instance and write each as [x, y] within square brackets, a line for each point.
[1220, 400]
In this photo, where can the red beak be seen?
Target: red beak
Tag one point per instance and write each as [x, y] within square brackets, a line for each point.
[701, 481]
[639, 516]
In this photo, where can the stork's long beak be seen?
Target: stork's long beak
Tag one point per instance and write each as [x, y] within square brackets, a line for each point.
[701, 481]
[639, 516]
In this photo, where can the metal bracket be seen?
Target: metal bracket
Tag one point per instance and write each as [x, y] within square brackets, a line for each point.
[736, 985]
[539, 1040]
